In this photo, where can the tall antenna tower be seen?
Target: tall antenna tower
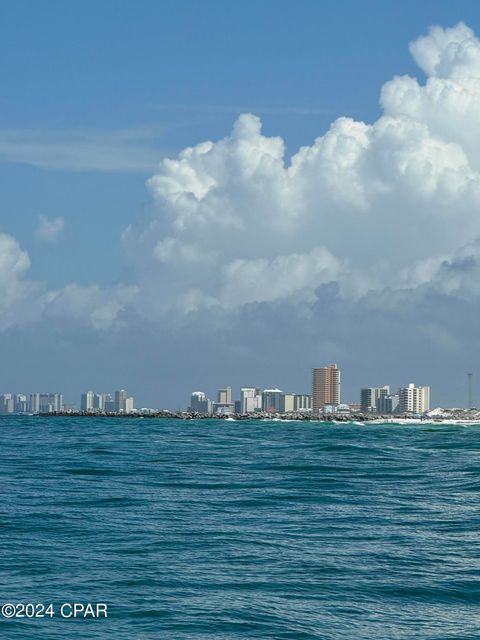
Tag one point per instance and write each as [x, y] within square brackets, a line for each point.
[470, 399]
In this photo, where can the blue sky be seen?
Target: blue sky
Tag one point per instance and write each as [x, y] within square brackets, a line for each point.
[95, 95]
[184, 71]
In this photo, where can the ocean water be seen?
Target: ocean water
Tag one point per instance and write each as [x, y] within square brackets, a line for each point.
[241, 530]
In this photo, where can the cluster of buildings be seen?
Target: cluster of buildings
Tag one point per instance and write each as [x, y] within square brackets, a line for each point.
[90, 402]
[410, 399]
[252, 399]
[324, 399]
[120, 402]
[32, 403]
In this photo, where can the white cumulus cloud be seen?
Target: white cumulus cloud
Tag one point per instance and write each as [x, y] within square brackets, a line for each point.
[14, 264]
[16, 290]
[24, 300]
[263, 280]
[372, 207]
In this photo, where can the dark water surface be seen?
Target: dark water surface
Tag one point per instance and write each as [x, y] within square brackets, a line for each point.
[228, 530]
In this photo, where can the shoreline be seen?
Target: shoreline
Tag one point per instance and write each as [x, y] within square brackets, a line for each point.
[468, 419]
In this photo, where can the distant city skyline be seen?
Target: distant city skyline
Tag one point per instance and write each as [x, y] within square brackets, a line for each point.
[323, 397]
[53, 402]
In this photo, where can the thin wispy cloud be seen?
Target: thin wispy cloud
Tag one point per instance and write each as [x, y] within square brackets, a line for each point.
[294, 110]
[49, 229]
[125, 150]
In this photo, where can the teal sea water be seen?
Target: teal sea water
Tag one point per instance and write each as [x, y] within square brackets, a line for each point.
[241, 530]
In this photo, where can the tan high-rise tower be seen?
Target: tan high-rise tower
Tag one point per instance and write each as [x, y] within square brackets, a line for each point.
[326, 387]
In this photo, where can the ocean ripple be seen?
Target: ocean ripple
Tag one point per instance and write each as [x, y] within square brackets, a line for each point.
[226, 530]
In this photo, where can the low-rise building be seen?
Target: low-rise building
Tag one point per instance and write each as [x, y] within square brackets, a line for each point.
[388, 404]
[223, 408]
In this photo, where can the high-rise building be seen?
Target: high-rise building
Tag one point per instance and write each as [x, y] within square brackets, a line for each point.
[224, 396]
[34, 403]
[86, 401]
[250, 399]
[99, 401]
[273, 400]
[414, 399]
[120, 397]
[50, 402]
[46, 404]
[6, 403]
[57, 401]
[325, 387]
[109, 403]
[370, 397]
[367, 399]
[200, 403]
[20, 403]
[128, 405]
